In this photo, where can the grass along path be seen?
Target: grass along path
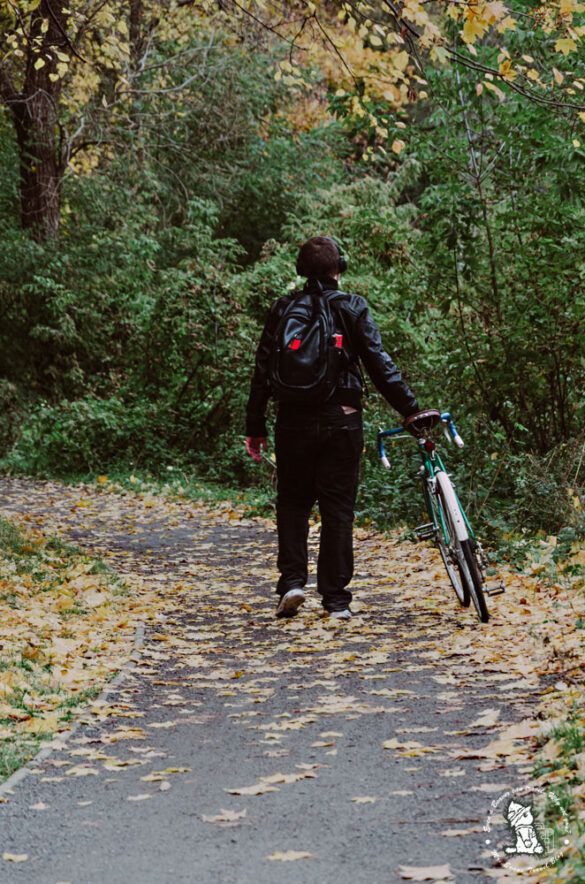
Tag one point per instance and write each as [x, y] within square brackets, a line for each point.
[436, 692]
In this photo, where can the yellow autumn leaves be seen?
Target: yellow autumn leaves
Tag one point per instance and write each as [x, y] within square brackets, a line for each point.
[65, 628]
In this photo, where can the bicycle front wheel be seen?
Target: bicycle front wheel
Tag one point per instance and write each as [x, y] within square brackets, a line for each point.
[446, 540]
[461, 546]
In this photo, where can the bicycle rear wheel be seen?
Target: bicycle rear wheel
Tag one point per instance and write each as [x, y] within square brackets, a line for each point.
[445, 539]
[462, 547]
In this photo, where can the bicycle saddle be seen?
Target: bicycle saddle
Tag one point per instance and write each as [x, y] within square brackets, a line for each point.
[422, 420]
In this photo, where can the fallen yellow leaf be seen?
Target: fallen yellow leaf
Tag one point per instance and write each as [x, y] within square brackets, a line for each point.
[225, 816]
[258, 789]
[81, 771]
[425, 873]
[289, 855]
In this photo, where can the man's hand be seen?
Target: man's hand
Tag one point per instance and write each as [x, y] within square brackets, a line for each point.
[253, 446]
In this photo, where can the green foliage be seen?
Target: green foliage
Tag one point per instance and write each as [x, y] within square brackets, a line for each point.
[131, 354]
[129, 341]
[394, 496]
[507, 259]
[8, 170]
[84, 434]
[128, 344]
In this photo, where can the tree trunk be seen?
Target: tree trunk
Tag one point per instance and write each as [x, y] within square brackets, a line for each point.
[35, 113]
[40, 168]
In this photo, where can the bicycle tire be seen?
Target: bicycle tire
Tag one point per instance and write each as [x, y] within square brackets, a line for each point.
[463, 547]
[476, 582]
[439, 517]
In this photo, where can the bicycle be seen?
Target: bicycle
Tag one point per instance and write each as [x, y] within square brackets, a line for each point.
[449, 528]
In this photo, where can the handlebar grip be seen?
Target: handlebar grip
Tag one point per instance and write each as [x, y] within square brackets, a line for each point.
[450, 431]
[382, 450]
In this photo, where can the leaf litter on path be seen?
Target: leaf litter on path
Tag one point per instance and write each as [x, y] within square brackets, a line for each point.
[231, 650]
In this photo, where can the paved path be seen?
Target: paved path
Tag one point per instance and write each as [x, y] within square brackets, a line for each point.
[154, 786]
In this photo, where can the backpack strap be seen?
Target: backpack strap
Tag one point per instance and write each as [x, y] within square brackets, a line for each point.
[354, 359]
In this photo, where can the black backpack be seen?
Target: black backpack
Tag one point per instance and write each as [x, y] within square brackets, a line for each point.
[307, 353]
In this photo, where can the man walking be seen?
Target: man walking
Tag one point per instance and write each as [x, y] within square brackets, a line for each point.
[319, 443]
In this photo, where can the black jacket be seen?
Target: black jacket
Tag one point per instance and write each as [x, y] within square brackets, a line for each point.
[361, 334]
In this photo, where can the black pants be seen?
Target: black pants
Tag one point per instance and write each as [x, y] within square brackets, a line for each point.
[317, 459]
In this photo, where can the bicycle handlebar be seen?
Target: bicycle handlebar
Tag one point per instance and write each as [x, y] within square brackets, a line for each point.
[448, 427]
[450, 430]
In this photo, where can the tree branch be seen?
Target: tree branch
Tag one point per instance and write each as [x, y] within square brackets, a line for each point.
[63, 32]
[405, 28]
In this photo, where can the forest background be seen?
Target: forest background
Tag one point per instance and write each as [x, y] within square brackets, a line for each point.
[160, 164]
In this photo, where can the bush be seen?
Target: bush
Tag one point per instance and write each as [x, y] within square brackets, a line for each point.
[88, 435]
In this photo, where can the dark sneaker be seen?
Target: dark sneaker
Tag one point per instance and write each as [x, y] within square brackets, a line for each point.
[341, 615]
[290, 603]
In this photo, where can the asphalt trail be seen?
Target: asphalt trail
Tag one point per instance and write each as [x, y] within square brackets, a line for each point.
[224, 695]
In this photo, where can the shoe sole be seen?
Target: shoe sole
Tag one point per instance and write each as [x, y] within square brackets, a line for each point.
[290, 603]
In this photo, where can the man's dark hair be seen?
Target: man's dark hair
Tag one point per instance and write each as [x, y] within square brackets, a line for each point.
[319, 257]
